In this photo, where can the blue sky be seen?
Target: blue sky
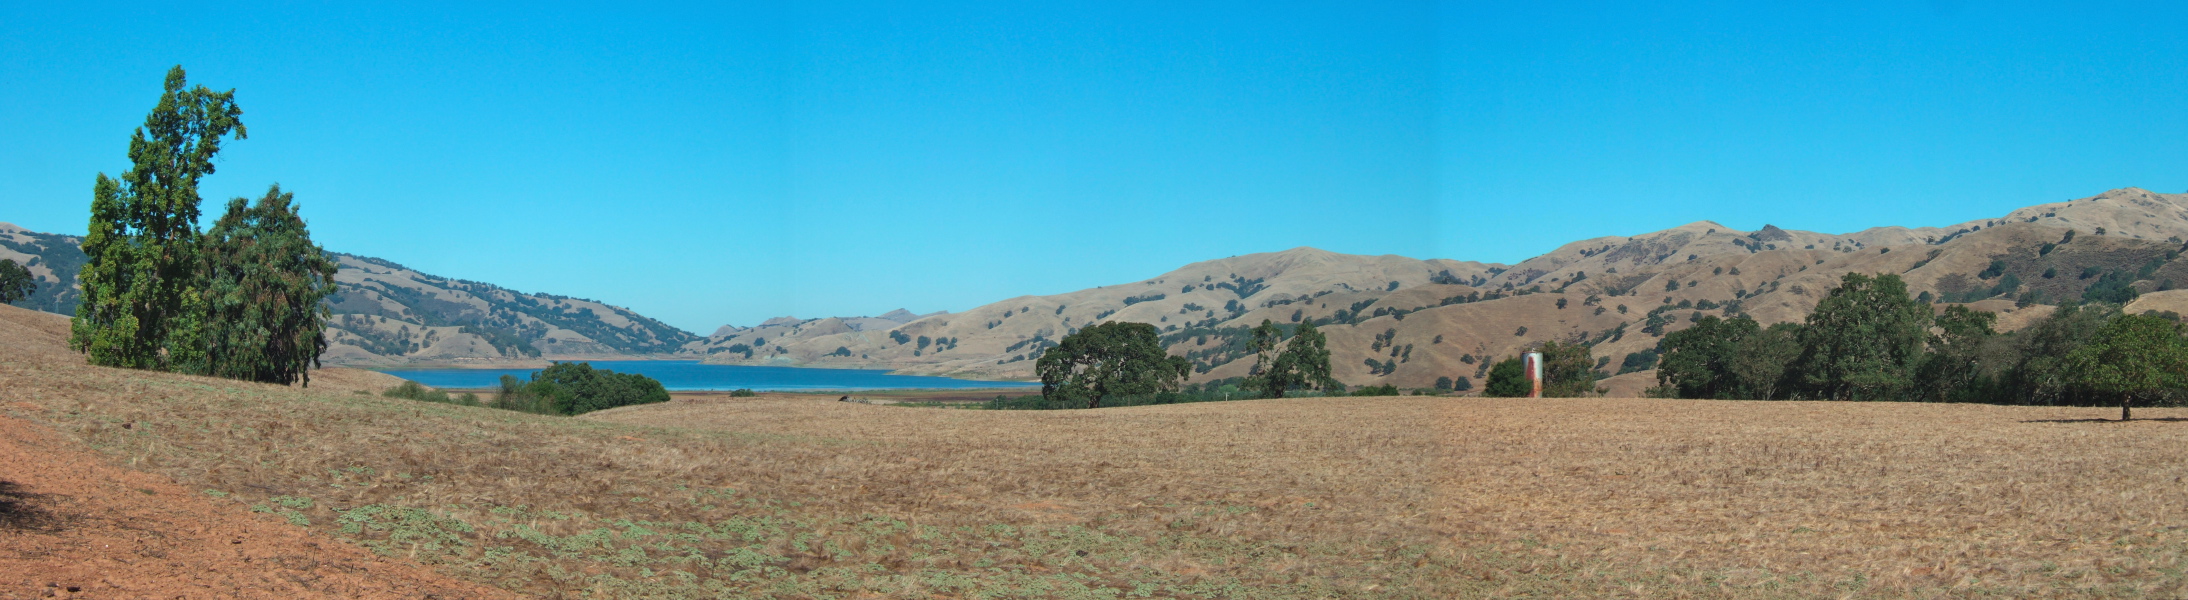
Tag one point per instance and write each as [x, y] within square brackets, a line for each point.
[716, 164]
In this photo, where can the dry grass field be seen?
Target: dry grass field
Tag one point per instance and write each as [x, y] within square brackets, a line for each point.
[804, 497]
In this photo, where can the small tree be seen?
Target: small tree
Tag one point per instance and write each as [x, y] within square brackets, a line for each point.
[2133, 356]
[1110, 359]
[15, 282]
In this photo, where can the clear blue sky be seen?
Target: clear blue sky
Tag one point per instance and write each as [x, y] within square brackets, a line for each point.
[710, 165]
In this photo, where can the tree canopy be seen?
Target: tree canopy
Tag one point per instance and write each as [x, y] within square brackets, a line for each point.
[1302, 363]
[1110, 359]
[1568, 370]
[1508, 379]
[15, 282]
[1864, 339]
[2134, 356]
[142, 243]
[263, 317]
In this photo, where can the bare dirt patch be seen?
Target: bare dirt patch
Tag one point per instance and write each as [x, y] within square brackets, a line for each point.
[73, 526]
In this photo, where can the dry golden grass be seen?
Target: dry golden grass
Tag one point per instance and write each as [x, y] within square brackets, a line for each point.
[803, 497]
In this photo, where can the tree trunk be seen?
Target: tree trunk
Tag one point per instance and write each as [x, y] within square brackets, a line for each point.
[2124, 400]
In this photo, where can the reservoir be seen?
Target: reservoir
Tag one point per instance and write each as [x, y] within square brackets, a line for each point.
[689, 375]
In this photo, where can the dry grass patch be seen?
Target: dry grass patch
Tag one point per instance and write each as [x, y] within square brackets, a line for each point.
[802, 497]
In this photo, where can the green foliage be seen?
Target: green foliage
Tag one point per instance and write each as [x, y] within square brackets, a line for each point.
[1110, 359]
[1377, 390]
[1302, 364]
[60, 254]
[1568, 370]
[15, 282]
[575, 388]
[140, 277]
[1443, 384]
[1697, 360]
[2116, 287]
[1864, 340]
[1638, 361]
[1508, 379]
[1955, 370]
[2134, 356]
[262, 315]
[742, 393]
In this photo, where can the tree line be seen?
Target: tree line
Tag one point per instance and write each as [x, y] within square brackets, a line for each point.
[1868, 340]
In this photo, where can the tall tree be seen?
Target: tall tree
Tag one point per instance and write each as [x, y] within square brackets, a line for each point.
[15, 282]
[2134, 356]
[263, 317]
[1110, 359]
[142, 241]
[1265, 341]
[1863, 340]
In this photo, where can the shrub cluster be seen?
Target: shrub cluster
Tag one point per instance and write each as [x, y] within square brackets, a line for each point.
[574, 388]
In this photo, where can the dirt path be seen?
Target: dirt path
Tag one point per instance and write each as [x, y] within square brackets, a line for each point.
[72, 526]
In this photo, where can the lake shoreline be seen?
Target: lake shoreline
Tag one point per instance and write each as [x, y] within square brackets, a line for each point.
[694, 376]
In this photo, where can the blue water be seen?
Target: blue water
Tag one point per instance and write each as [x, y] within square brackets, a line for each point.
[690, 375]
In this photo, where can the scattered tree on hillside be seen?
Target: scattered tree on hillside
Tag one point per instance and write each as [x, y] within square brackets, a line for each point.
[141, 249]
[15, 282]
[2134, 356]
[1110, 359]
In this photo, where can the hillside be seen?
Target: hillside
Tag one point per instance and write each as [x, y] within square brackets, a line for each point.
[1390, 319]
[1408, 322]
[386, 314]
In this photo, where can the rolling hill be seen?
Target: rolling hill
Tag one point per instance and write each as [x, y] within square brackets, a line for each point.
[1408, 322]
[1390, 319]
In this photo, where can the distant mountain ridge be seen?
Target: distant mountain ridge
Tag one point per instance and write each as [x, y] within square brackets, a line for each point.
[1409, 322]
[1390, 319]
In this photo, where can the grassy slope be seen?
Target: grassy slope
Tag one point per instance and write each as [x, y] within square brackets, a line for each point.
[794, 497]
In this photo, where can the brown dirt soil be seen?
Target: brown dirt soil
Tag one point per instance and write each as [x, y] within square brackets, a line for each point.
[72, 525]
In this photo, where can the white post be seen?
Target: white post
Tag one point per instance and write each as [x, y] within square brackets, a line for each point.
[1534, 374]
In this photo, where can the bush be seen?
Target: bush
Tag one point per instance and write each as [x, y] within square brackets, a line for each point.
[1377, 390]
[574, 388]
[411, 390]
[743, 393]
[1508, 379]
